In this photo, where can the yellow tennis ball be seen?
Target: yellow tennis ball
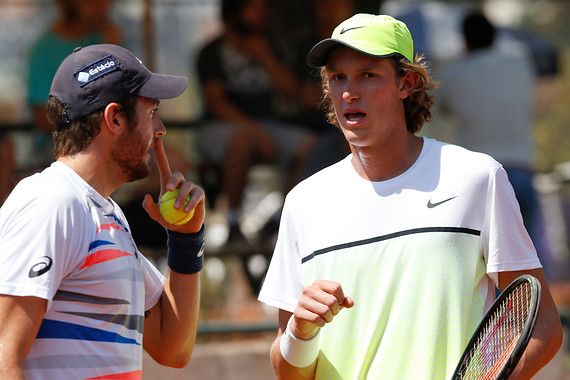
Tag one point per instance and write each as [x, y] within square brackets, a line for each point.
[169, 213]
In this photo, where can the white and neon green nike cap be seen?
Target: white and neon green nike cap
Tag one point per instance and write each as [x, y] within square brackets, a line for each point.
[375, 35]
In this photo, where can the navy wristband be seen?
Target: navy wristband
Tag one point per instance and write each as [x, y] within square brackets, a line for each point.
[186, 251]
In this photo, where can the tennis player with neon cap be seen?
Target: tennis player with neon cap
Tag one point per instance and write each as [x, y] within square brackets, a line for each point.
[386, 261]
[77, 298]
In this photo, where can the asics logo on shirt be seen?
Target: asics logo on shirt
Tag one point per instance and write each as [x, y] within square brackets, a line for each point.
[41, 267]
[432, 205]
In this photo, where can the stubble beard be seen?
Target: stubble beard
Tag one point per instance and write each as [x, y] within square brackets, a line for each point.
[128, 155]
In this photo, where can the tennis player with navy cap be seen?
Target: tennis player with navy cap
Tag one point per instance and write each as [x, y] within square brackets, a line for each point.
[386, 261]
[77, 298]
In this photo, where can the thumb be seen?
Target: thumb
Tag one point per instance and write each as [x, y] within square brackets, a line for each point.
[347, 302]
[151, 207]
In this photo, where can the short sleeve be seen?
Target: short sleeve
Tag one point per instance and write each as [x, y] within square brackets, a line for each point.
[283, 283]
[153, 283]
[508, 245]
[39, 240]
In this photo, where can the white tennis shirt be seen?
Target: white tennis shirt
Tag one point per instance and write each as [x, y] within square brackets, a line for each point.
[417, 253]
[61, 241]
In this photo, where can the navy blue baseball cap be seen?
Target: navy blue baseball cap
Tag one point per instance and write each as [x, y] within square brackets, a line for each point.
[93, 76]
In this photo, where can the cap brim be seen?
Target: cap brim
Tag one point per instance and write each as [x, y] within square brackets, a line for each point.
[319, 55]
[163, 86]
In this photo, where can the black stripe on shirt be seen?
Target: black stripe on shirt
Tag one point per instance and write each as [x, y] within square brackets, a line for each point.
[390, 236]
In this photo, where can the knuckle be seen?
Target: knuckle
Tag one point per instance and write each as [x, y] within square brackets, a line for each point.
[331, 302]
[308, 291]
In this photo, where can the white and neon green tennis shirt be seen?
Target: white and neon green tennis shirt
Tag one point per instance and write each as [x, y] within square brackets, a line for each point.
[417, 253]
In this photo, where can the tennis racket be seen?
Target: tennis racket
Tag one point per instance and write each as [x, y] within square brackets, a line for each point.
[501, 338]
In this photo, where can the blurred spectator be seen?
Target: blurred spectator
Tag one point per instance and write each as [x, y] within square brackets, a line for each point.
[7, 167]
[327, 15]
[241, 77]
[79, 23]
[331, 146]
[490, 93]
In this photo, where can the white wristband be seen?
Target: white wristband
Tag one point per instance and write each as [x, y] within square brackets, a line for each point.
[299, 352]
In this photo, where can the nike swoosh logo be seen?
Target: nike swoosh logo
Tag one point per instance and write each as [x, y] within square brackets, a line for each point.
[344, 30]
[432, 205]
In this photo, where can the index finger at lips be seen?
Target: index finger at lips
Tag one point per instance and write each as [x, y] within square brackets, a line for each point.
[162, 163]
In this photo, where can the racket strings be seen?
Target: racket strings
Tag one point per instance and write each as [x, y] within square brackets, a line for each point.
[499, 336]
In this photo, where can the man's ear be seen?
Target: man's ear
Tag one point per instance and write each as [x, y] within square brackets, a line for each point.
[408, 84]
[115, 121]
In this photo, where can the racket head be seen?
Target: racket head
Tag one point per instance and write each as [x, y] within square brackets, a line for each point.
[502, 328]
